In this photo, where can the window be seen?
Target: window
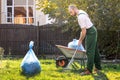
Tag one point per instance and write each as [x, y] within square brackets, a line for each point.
[20, 2]
[21, 12]
[30, 11]
[9, 14]
[30, 2]
[9, 3]
[31, 19]
[20, 15]
[9, 20]
[9, 11]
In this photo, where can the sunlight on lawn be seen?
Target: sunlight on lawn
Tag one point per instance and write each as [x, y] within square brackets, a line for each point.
[10, 70]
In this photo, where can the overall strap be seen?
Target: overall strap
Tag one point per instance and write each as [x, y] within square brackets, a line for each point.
[80, 13]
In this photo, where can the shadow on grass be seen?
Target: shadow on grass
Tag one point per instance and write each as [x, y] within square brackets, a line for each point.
[97, 76]
[48, 63]
[71, 70]
[77, 71]
[100, 76]
[28, 75]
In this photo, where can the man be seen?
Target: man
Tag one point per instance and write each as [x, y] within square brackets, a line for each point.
[89, 33]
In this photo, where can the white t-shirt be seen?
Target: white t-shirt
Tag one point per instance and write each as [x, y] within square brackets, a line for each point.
[84, 20]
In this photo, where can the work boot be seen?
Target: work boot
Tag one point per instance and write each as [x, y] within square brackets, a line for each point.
[97, 70]
[87, 72]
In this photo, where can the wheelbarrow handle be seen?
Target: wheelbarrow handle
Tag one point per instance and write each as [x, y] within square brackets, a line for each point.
[72, 57]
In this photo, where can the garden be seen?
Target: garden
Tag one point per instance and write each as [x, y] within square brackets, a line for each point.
[15, 38]
[10, 70]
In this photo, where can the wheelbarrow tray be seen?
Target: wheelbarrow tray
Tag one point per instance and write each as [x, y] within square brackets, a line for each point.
[69, 52]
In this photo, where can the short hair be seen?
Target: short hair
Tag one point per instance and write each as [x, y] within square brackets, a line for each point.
[72, 6]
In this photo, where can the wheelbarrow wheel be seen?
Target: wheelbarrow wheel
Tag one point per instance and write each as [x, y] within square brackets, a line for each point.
[61, 61]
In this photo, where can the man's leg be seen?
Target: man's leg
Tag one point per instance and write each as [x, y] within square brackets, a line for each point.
[97, 59]
[90, 46]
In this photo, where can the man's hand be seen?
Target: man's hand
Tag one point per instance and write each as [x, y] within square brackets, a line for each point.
[79, 42]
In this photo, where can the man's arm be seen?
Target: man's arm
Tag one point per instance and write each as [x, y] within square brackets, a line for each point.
[82, 35]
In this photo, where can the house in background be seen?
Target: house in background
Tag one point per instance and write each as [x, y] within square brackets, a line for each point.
[0, 11]
[21, 12]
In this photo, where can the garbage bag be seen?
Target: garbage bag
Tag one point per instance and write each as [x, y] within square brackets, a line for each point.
[30, 64]
[74, 44]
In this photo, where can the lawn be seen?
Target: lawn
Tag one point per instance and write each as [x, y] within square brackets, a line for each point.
[10, 70]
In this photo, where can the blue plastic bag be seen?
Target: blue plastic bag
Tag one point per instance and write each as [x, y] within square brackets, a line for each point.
[74, 45]
[30, 64]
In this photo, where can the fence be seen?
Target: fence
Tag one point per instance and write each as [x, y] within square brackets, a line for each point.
[49, 37]
[15, 39]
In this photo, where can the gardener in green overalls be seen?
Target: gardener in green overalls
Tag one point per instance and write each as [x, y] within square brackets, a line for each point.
[89, 32]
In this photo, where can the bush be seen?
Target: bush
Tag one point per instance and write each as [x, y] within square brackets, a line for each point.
[108, 42]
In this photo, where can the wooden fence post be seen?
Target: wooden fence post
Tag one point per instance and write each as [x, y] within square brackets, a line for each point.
[37, 39]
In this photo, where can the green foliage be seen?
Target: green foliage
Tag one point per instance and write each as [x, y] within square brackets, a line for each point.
[58, 10]
[108, 42]
[104, 13]
[50, 72]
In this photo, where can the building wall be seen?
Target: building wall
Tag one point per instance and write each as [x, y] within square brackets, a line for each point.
[40, 17]
[3, 10]
[0, 11]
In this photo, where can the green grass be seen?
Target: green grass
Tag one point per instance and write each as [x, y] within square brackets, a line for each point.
[10, 70]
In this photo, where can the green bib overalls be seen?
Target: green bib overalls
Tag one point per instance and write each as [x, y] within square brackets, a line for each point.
[92, 52]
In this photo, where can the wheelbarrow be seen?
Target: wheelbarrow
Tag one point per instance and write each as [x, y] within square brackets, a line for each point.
[65, 60]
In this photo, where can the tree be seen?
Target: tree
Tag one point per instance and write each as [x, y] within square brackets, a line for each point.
[58, 10]
[104, 13]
